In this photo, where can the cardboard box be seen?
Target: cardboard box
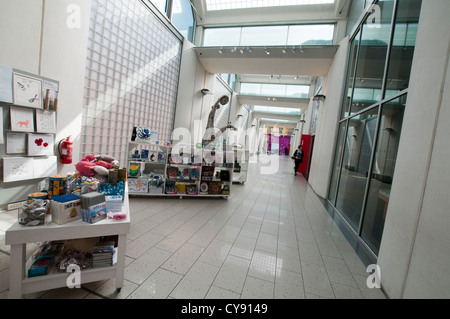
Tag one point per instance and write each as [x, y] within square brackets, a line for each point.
[65, 212]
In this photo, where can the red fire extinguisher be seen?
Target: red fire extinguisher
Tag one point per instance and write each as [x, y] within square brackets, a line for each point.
[65, 150]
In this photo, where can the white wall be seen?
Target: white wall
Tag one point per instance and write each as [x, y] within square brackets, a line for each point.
[415, 250]
[193, 107]
[36, 38]
[327, 123]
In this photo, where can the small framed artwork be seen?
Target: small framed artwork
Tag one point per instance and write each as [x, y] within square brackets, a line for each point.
[45, 121]
[27, 91]
[44, 167]
[22, 119]
[16, 143]
[17, 169]
[40, 144]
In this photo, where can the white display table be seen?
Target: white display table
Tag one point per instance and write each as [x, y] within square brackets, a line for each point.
[18, 236]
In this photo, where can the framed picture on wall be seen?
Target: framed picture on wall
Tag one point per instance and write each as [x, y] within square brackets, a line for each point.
[16, 143]
[27, 91]
[17, 169]
[45, 121]
[40, 144]
[22, 119]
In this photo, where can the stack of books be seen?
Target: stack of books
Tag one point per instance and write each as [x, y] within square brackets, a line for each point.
[103, 254]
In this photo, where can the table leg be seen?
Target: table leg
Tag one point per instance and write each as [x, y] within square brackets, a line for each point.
[16, 270]
[120, 272]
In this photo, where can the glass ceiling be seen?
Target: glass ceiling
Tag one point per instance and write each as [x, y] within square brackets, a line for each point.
[213, 5]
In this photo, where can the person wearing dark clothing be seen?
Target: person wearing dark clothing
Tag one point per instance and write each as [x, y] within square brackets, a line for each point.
[298, 158]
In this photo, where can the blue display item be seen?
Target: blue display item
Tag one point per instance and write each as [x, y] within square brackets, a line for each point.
[135, 154]
[144, 153]
[40, 266]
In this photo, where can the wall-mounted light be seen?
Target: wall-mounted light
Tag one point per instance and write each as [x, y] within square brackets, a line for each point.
[206, 91]
[319, 97]
[239, 115]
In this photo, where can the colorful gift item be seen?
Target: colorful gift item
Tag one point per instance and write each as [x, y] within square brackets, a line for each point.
[73, 256]
[90, 165]
[40, 266]
[109, 189]
[33, 196]
[57, 185]
[134, 168]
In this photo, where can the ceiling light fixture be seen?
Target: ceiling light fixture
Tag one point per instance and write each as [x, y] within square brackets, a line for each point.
[220, 51]
[296, 77]
[267, 51]
[242, 51]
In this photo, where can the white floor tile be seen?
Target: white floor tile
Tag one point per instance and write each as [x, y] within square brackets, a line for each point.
[271, 239]
[157, 286]
[255, 288]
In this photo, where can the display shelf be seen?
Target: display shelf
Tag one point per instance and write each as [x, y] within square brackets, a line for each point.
[18, 236]
[184, 171]
[240, 166]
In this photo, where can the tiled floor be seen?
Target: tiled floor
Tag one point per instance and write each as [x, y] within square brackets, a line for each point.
[271, 239]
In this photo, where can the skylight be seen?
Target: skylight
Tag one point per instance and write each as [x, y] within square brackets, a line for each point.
[214, 5]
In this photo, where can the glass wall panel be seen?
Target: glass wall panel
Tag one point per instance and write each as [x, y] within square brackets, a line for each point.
[278, 90]
[382, 172]
[218, 37]
[311, 34]
[402, 52]
[355, 165]
[375, 37]
[350, 75]
[267, 35]
[337, 164]
[183, 18]
[275, 35]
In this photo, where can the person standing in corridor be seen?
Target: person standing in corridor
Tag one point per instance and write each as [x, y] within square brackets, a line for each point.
[298, 158]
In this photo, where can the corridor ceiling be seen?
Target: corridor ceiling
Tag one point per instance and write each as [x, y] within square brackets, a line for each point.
[285, 64]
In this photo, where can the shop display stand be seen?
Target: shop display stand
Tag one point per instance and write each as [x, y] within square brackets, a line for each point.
[18, 236]
[241, 157]
[173, 183]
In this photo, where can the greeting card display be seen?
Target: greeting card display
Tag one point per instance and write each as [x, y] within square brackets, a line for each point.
[27, 90]
[40, 144]
[16, 143]
[45, 121]
[22, 119]
[17, 169]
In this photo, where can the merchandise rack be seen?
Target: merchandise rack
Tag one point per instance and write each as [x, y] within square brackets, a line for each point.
[18, 236]
[199, 167]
